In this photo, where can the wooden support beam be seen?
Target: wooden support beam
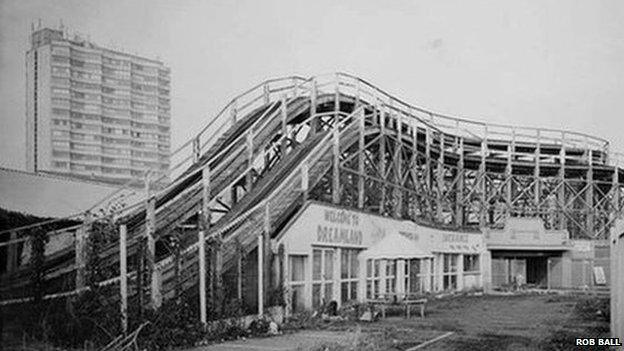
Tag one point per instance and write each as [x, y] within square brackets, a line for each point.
[305, 181]
[361, 157]
[234, 111]
[509, 172]
[589, 193]
[123, 277]
[202, 276]
[313, 118]
[266, 94]
[536, 174]
[382, 155]
[563, 221]
[196, 149]
[440, 180]
[398, 174]
[284, 119]
[80, 251]
[250, 159]
[428, 172]
[12, 253]
[336, 162]
[482, 175]
[459, 188]
[150, 257]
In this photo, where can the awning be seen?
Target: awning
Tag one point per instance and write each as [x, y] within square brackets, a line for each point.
[395, 246]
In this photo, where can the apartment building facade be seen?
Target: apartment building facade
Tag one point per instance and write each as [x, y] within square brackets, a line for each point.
[93, 112]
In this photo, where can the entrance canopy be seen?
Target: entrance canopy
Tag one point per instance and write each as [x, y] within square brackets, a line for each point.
[395, 246]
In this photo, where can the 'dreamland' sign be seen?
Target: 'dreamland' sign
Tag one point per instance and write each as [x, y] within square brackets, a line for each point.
[339, 227]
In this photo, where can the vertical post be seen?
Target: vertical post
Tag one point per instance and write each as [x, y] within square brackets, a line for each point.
[123, 277]
[382, 156]
[536, 175]
[202, 276]
[336, 161]
[428, 171]
[12, 253]
[361, 150]
[482, 182]
[196, 150]
[509, 172]
[398, 174]
[250, 160]
[295, 87]
[459, 198]
[561, 195]
[440, 181]
[234, 111]
[266, 93]
[261, 265]
[82, 237]
[283, 114]
[589, 193]
[313, 121]
[304, 181]
[239, 271]
[150, 258]
[358, 92]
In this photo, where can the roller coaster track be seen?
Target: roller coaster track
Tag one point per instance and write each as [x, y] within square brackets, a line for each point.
[339, 139]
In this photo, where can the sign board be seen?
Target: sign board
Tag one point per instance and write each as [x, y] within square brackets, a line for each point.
[599, 276]
[324, 225]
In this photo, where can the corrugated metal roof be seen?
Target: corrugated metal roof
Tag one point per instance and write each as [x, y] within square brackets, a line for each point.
[46, 195]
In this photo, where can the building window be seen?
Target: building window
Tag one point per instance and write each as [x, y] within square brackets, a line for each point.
[349, 272]
[297, 282]
[373, 278]
[322, 276]
[449, 271]
[471, 264]
[415, 275]
[391, 271]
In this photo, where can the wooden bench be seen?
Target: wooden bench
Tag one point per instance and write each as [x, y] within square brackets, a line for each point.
[407, 302]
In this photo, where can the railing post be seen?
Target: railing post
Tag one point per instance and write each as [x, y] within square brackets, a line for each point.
[284, 119]
[123, 277]
[196, 149]
[82, 238]
[234, 111]
[295, 87]
[313, 121]
[382, 156]
[266, 93]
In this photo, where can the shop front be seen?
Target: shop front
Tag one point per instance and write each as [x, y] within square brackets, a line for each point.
[340, 255]
[524, 253]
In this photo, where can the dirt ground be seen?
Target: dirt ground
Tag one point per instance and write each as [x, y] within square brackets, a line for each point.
[526, 322]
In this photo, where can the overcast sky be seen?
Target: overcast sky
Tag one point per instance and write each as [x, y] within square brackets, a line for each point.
[535, 63]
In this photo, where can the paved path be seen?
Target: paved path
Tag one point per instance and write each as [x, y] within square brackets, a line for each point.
[304, 340]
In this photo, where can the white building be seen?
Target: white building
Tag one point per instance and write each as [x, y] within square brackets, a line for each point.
[94, 112]
[344, 255]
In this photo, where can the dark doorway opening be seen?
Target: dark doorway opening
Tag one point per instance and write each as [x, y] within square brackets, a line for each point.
[537, 271]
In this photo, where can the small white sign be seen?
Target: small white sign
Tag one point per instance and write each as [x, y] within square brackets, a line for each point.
[599, 276]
